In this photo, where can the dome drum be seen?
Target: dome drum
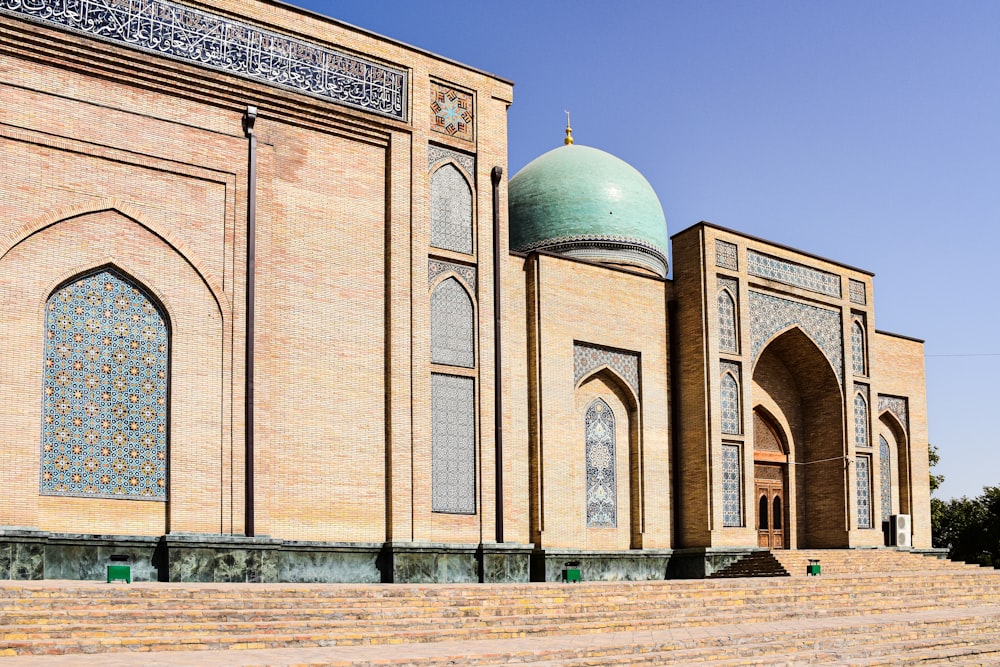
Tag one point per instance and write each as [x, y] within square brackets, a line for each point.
[606, 250]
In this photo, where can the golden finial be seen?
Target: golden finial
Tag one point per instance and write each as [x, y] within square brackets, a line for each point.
[569, 131]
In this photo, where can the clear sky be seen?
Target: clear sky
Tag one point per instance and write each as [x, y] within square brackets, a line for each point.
[865, 132]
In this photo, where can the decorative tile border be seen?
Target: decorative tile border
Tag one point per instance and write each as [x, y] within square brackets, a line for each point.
[898, 406]
[452, 111]
[588, 358]
[790, 273]
[435, 267]
[725, 255]
[438, 154]
[856, 290]
[770, 314]
[223, 44]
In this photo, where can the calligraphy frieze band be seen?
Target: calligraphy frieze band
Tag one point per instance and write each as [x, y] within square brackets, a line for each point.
[230, 46]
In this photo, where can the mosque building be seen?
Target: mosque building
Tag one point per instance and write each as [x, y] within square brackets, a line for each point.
[277, 312]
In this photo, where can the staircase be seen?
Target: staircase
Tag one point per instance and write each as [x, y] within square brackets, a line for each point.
[866, 608]
[756, 564]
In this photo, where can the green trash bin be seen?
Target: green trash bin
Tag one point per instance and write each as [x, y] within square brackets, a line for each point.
[571, 572]
[119, 569]
[813, 569]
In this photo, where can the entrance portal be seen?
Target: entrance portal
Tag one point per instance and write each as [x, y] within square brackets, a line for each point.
[770, 493]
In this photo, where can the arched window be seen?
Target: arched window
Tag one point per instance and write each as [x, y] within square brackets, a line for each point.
[452, 327]
[451, 210]
[104, 391]
[730, 404]
[602, 489]
[885, 477]
[860, 421]
[863, 470]
[858, 348]
[727, 322]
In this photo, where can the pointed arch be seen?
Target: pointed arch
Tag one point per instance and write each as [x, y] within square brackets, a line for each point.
[600, 456]
[132, 213]
[453, 329]
[728, 333]
[859, 358]
[892, 430]
[451, 209]
[104, 390]
[729, 390]
[861, 429]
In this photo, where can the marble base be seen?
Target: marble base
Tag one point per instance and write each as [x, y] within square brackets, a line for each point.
[637, 565]
[700, 562]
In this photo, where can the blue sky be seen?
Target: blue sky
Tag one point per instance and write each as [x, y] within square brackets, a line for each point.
[865, 132]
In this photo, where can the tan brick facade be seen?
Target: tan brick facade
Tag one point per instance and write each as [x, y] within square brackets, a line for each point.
[115, 157]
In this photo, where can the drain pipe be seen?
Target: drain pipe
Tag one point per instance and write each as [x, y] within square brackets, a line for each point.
[249, 118]
[496, 174]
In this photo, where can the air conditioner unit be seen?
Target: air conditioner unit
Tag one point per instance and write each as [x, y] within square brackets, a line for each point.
[901, 530]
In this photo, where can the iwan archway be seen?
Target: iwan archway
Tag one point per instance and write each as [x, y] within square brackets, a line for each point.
[800, 477]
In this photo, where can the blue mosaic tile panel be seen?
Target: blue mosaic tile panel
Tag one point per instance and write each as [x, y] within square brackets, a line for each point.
[770, 315]
[856, 291]
[588, 358]
[452, 112]
[897, 406]
[224, 44]
[863, 470]
[725, 255]
[858, 348]
[602, 488]
[451, 210]
[790, 273]
[437, 154]
[730, 394]
[104, 403]
[453, 329]
[885, 477]
[861, 416]
[453, 444]
[732, 486]
[728, 336]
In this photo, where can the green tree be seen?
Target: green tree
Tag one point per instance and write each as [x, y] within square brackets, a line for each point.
[969, 527]
[933, 459]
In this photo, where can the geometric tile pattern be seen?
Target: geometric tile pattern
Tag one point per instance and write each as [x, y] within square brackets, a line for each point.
[861, 416]
[885, 476]
[730, 403]
[220, 43]
[104, 402]
[437, 154]
[725, 255]
[790, 273]
[732, 496]
[863, 470]
[727, 315]
[451, 210]
[452, 111]
[856, 290]
[858, 348]
[897, 406]
[602, 494]
[771, 314]
[453, 340]
[435, 267]
[587, 358]
[453, 444]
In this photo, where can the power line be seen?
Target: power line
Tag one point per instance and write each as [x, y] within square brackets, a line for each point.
[979, 354]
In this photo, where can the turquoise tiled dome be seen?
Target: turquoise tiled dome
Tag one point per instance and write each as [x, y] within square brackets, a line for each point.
[583, 202]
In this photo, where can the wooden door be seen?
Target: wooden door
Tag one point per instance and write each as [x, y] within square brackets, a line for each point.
[770, 494]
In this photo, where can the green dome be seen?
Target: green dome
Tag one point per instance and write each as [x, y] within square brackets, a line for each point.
[583, 202]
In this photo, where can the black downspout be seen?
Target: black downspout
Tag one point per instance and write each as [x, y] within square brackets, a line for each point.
[495, 175]
[249, 118]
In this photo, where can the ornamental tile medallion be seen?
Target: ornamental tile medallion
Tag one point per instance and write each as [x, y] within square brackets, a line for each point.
[235, 47]
[452, 111]
[587, 358]
[770, 315]
[790, 273]
[104, 402]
